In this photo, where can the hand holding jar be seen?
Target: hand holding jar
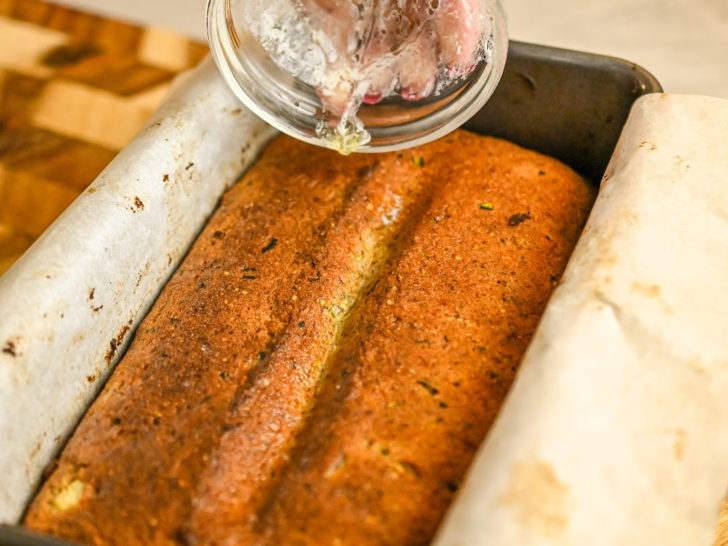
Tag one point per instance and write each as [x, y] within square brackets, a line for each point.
[389, 46]
[353, 74]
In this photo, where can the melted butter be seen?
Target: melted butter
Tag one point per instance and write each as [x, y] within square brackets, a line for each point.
[69, 496]
[346, 50]
[346, 137]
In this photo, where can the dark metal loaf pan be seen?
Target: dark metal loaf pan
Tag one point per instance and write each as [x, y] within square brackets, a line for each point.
[565, 104]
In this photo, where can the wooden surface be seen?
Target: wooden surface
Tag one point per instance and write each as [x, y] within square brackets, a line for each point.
[721, 538]
[74, 89]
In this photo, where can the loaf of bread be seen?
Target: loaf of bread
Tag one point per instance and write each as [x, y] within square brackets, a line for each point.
[324, 364]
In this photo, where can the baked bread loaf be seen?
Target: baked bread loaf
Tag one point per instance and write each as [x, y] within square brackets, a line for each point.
[324, 364]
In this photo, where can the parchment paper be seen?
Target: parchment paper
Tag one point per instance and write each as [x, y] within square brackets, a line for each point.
[67, 308]
[616, 430]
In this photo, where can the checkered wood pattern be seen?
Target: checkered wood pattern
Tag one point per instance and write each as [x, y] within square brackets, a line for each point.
[74, 89]
[722, 536]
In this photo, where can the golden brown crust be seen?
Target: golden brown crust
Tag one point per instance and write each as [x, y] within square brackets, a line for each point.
[324, 364]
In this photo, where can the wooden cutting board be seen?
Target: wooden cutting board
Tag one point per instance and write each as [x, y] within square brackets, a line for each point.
[74, 89]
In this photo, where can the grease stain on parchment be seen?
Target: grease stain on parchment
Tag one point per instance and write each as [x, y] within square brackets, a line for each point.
[538, 499]
[653, 292]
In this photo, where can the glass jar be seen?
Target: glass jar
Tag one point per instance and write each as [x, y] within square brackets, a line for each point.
[292, 104]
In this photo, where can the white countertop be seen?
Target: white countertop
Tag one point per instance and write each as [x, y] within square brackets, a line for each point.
[684, 43]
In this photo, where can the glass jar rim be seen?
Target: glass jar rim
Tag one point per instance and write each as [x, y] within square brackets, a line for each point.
[259, 93]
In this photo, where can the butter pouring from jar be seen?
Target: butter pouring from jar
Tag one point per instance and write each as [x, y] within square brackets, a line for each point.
[370, 52]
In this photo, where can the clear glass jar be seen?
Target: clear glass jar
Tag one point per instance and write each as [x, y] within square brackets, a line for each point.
[294, 106]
